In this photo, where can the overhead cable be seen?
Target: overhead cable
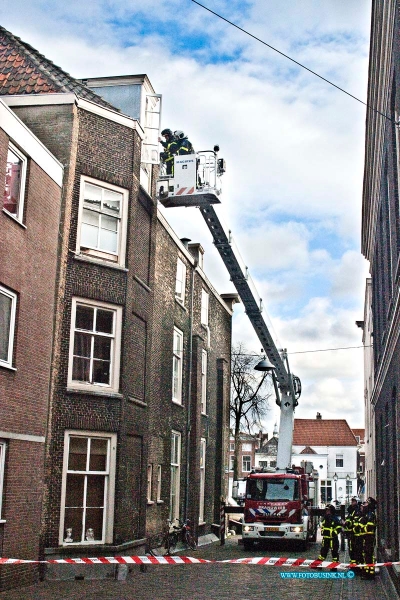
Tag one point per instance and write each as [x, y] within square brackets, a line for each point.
[296, 62]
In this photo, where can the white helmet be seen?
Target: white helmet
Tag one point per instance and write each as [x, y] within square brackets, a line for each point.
[179, 134]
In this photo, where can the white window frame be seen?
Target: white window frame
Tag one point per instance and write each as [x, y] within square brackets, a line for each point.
[180, 283]
[115, 347]
[204, 362]
[96, 253]
[13, 297]
[203, 448]
[244, 459]
[174, 498]
[231, 462]
[21, 198]
[231, 446]
[205, 300]
[339, 458]
[159, 481]
[3, 448]
[177, 366]
[109, 488]
[149, 483]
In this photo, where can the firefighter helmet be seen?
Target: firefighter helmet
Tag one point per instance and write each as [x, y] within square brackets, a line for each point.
[167, 132]
[179, 135]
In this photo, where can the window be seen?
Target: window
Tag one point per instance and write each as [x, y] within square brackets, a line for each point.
[94, 345]
[326, 491]
[263, 463]
[204, 381]
[177, 366]
[149, 482]
[231, 446]
[272, 463]
[204, 307]
[175, 475]
[2, 463]
[102, 221]
[246, 462]
[246, 447]
[14, 187]
[339, 460]
[159, 476]
[349, 488]
[231, 463]
[8, 304]
[202, 478]
[87, 508]
[180, 283]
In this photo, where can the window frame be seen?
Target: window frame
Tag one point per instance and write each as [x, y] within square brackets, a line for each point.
[175, 465]
[177, 367]
[115, 352]
[159, 483]
[204, 366]
[339, 459]
[205, 303]
[149, 483]
[109, 493]
[244, 459]
[8, 363]
[21, 195]
[180, 281]
[231, 462]
[202, 478]
[119, 257]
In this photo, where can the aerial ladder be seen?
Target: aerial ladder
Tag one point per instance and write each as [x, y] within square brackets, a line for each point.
[195, 181]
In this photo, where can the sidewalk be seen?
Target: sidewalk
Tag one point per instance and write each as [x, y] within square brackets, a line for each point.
[217, 581]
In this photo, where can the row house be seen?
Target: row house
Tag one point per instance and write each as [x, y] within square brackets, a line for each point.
[331, 447]
[381, 247]
[125, 349]
[31, 179]
[249, 445]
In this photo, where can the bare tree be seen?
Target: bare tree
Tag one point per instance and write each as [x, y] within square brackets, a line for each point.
[249, 397]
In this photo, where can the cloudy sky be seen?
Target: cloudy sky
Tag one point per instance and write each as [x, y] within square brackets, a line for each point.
[294, 147]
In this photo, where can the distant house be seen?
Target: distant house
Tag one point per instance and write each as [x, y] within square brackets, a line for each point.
[265, 456]
[249, 444]
[331, 446]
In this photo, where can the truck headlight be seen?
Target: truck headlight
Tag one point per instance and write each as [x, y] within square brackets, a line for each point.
[248, 528]
[296, 529]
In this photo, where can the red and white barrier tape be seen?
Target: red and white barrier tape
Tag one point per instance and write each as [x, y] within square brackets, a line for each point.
[181, 560]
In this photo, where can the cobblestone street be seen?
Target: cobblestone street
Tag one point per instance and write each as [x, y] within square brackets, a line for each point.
[216, 581]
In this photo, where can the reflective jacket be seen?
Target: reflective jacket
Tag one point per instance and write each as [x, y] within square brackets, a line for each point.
[185, 147]
[330, 527]
[358, 527]
[368, 523]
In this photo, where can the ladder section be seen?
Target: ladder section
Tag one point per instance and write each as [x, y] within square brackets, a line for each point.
[240, 281]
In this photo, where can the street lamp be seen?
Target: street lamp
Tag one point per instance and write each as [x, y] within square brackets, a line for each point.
[267, 367]
[335, 478]
[348, 479]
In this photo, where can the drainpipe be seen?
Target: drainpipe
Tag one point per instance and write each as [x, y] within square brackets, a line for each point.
[189, 398]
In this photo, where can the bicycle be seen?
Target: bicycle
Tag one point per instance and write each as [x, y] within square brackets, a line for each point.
[182, 531]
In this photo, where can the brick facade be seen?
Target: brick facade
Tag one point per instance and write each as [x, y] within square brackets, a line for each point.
[28, 268]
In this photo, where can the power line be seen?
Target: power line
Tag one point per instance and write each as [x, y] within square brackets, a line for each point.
[296, 62]
[305, 351]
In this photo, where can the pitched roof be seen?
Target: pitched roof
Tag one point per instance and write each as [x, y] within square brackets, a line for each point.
[308, 450]
[360, 433]
[23, 70]
[323, 432]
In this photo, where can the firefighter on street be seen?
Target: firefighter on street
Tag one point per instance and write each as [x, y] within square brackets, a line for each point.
[330, 529]
[352, 512]
[171, 147]
[368, 524]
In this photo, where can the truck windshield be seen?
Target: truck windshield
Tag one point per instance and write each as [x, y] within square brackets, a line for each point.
[274, 490]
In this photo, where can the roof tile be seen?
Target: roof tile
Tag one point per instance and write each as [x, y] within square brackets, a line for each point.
[322, 432]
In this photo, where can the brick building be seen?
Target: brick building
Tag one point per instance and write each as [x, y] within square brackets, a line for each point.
[31, 181]
[189, 414]
[137, 336]
[381, 246]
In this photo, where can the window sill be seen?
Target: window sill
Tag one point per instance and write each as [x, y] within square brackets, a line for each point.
[202, 523]
[150, 502]
[180, 303]
[160, 501]
[2, 521]
[94, 392]
[177, 403]
[14, 218]
[138, 402]
[9, 367]
[98, 261]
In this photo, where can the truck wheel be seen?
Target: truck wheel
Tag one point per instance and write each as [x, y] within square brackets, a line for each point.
[248, 544]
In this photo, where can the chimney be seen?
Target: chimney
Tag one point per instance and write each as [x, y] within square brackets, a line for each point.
[319, 416]
[185, 242]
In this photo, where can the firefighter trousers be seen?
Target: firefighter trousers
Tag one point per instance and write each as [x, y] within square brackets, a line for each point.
[331, 544]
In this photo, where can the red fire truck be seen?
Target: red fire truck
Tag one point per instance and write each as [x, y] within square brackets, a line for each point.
[278, 505]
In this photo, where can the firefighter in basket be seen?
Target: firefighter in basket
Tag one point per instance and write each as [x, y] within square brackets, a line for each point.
[184, 146]
[171, 147]
[330, 529]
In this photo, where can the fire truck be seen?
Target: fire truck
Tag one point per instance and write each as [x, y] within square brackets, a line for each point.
[277, 504]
